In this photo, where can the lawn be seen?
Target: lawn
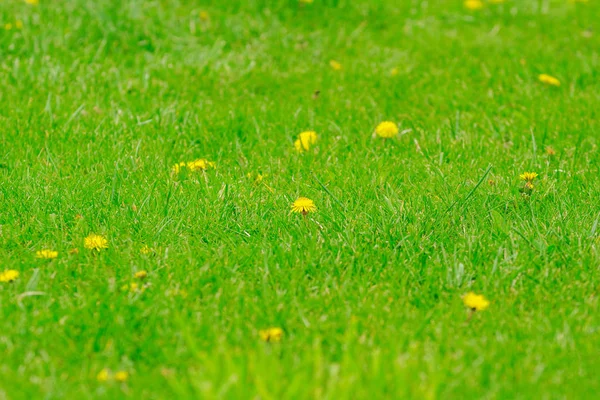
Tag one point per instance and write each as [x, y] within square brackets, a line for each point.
[174, 130]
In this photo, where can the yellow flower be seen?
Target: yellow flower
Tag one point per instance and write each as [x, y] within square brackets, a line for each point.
[95, 242]
[133, 287]
[146, 250]
[10, 275]
[33, 2]
[8, 26]
[305, 140]
[474, 4]
[475, 302]
[19, 24]
[303, 205]
[335, 65]
[386, 130]
[121, 376]
[306, 1]
[528, 176]
[529, 185]
[549, 80]
[200, 164]
[103, 375]
[271, 334]
[204, 15]
[177, 167]
[394, 71]
[140, 275]
[46, 254]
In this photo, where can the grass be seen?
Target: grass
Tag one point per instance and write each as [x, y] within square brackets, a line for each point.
[101, 98]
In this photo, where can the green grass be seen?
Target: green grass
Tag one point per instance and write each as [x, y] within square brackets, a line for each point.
[100, 98]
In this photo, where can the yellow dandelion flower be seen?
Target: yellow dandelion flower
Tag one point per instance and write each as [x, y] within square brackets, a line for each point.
[46, 254]
[475, 302]
[133, 287]
[121, 376]
[95, 242]
[549, 80]
[394, 71]
[32, 2]
[19, 24]
[529, 185]
[257, 178]
[306, 1]
[303, 206]
[140, 274]
[386, 130]
[204, 15]
[8, 26]
[176, 169]
[200, 164]
[103, 375]
[473, 4]
[528, 176]
[336, 66]
[305, 140]
[271, 334]
[146, 250]
[10, 275]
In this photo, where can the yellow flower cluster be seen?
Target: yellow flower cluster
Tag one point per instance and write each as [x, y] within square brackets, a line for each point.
[146, 250]
[95, 242]
[271, 334]
[46, 254]
[549, 80]
[528, 176]
[473, 4]
[141, 275]
[335, 65]
[475, 302]
[200, 164]
[106, 375]
[305, 141]
[134, 287]
[9, 275]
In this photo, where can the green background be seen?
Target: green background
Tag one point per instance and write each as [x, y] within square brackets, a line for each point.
[100, 98]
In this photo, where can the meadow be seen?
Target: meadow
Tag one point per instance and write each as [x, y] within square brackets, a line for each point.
[152, 154]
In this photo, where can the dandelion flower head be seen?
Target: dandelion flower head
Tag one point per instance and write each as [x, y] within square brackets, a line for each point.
[146, 249]
[121, 376]
[549, 80]
[473, 4]
[103, 375]
[95, 242]
[475, 302]
[335, 65]
[200, 164]
[140, 274]
[303, 206]
[271, 334]
[9, 275]
[386, 130]
[528, 176]
[305, 140]
[46, 254]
